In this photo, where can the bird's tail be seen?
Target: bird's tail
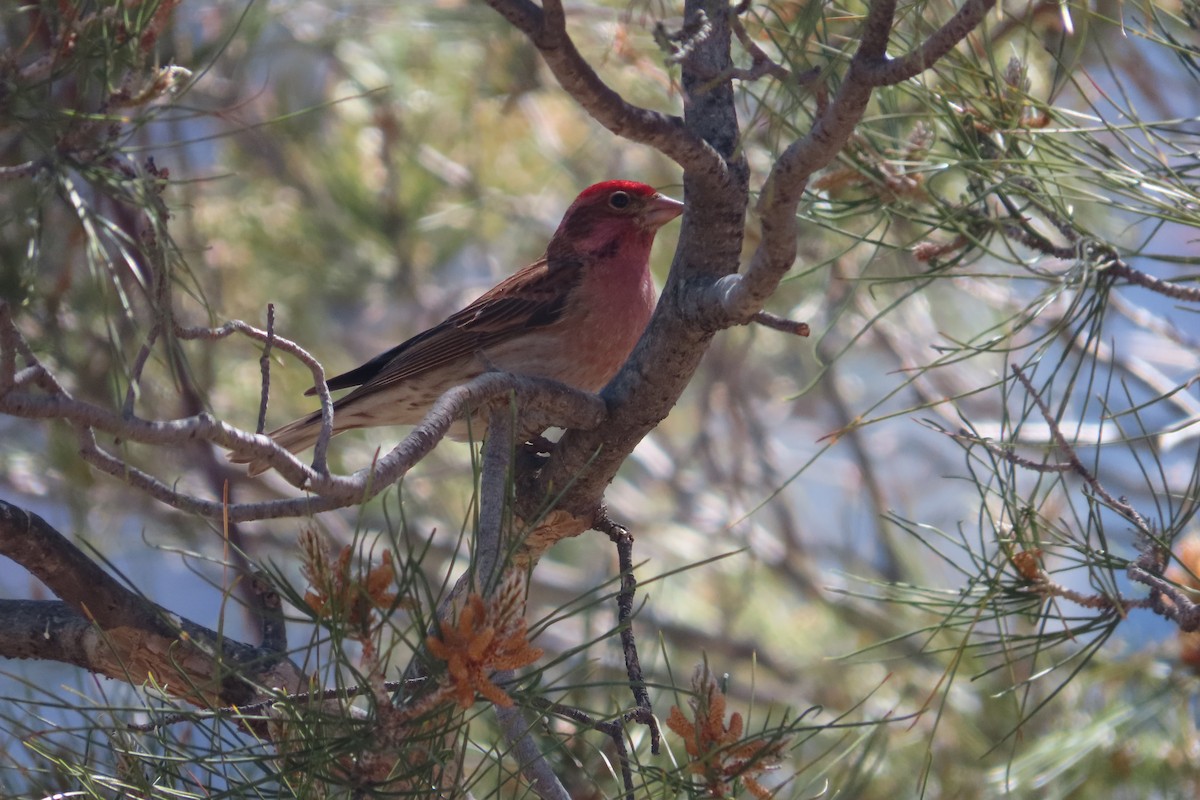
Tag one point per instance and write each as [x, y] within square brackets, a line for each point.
[295, 437]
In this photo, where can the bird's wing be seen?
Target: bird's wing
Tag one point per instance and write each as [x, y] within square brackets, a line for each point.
[531, 298]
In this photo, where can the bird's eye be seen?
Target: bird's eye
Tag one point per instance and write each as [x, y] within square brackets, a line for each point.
[618, 199]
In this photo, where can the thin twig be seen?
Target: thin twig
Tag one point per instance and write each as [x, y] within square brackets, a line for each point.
[614, 730]
[1010, 455]
[621, 537]
[16, 171]
[1120, 506]
[1027, 565]
[1036, 242]
[264, 366]
[1147, 281]
[139, 364]
[778, 323]
[760, 63]
[1079, 248]
[293, 349]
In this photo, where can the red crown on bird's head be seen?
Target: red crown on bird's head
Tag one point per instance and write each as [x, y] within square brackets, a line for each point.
[632, 187]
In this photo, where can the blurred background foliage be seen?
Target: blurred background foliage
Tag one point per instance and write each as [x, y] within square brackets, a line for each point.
[821, 519]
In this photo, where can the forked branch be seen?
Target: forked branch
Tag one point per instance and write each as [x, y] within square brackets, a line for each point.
[103, 627]
[736, 298]
[547, 29]
[32, 392]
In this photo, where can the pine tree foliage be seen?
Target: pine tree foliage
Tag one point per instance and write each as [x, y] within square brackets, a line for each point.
[943, 544]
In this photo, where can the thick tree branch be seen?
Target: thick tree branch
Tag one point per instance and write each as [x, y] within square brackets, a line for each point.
[703, 293]
[663, 362]
[692, 307]
[546, 29]
[104, 627]
[48, 630]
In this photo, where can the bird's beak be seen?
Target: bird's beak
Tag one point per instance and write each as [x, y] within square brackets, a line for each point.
[659, 211]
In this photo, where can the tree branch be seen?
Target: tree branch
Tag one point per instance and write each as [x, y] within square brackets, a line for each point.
[623, 539]
[546, 29]
[1166, 288]
[703, 294]
[491, 541]
[532, 763]
[104, 627]
[891, 71]
[666, 357]
[736, 298]
[543, 403]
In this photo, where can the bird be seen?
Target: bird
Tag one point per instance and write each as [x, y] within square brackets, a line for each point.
[573, 316]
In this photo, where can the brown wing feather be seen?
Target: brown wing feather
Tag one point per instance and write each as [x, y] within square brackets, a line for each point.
[530, 298]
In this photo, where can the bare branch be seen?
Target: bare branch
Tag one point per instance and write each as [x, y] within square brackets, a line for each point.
[139, 365]
[891, 71]
[1135, 276]
[532, 763]
[547, 31]
[781, 324]
[494, 483]
[543, 403]
[623, 539]
[264, 366]
[28, 169]
[760, 63]
[269, 337]
[106, 628]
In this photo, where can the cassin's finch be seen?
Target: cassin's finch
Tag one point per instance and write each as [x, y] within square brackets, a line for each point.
[573, 316]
